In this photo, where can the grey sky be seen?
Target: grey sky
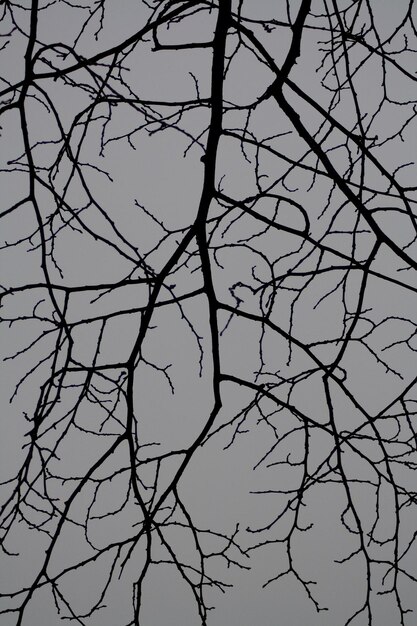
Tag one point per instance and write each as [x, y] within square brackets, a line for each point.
[149, 186]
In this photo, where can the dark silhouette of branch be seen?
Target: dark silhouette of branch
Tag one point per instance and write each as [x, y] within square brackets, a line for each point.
[208, 296]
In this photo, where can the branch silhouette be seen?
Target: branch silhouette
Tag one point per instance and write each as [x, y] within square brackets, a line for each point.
[209, 261]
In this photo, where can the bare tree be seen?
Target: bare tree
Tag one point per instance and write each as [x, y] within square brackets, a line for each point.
[208, 290]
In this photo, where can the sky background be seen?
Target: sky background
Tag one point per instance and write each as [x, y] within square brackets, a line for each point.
[163, 172]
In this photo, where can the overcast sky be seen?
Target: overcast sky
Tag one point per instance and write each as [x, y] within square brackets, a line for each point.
[145, 185]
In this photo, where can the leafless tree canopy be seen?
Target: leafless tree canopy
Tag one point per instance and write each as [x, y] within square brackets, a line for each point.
[208, 307]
